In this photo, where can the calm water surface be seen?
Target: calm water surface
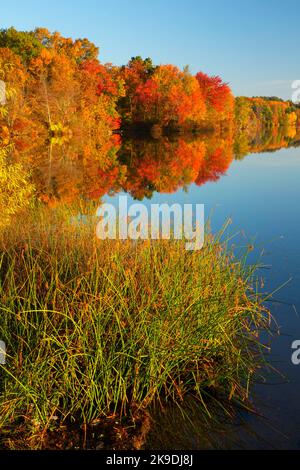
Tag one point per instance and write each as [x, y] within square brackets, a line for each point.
[261, 193]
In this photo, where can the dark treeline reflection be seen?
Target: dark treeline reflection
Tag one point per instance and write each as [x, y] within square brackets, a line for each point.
[65, 169]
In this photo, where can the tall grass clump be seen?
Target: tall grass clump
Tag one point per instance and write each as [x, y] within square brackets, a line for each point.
[100, 327]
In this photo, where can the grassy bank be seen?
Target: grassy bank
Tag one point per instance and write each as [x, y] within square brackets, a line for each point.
[96, 331]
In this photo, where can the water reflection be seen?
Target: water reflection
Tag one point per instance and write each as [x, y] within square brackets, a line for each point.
[67, 170]
[63, 169]
[187, 427]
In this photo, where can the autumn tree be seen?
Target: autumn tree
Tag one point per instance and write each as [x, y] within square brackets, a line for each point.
[23, 43]
[16, 115]
[260, 113]
[16, 190]
[218, 97]
[168, 96]
[135, 73]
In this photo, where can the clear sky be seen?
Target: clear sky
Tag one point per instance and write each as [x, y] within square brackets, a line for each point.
[252, 44]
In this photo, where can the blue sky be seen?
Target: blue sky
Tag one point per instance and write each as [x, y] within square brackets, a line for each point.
[253, 45]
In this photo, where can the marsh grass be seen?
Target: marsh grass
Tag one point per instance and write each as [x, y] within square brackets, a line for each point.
[100, 328]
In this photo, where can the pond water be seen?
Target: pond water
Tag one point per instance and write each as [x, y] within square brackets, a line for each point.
[260, 192]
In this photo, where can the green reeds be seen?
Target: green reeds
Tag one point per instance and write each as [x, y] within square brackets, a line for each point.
[95, 328]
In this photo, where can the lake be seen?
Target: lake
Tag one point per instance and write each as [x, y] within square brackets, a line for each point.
[261, 195]
[260, 192]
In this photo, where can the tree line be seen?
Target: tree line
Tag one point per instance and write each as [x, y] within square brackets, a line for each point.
[58, 86]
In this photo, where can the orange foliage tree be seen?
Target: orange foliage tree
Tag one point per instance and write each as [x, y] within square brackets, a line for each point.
[218, 98]
[169, 97]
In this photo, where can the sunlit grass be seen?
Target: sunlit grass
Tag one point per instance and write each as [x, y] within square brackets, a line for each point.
[100, 327]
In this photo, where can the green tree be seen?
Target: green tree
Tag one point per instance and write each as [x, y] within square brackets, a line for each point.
[22, 43]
